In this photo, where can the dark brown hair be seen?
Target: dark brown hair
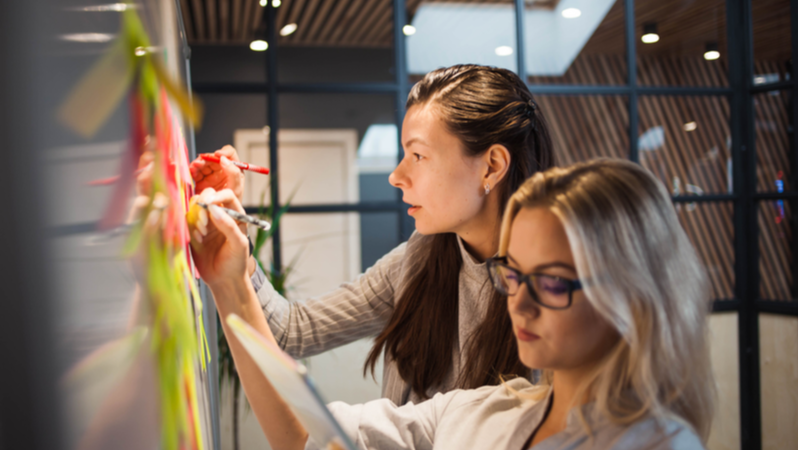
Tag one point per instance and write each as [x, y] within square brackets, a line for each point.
[482, 106]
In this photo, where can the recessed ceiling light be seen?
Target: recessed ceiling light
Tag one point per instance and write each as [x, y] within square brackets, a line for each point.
[288, 29]
[503, 50]
[258, 45]
[276, 3]
[712, 52]
[650, 35]
[87, 37]
[262, 2]
[690, 126]
[571, 13]
[408, 30]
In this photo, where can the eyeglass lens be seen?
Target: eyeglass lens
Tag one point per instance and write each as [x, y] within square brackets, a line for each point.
[550, 291]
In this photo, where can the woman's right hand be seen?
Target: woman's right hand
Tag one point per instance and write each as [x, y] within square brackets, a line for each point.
[219, 248]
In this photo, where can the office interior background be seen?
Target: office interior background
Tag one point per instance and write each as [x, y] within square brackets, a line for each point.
[703, 93]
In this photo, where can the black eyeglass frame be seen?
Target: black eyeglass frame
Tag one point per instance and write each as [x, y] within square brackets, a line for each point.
[527, 279]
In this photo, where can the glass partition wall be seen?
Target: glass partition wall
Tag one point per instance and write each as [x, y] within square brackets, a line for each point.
[701, 93]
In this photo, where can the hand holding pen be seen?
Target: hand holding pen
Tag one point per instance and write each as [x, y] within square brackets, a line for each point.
[219, 175]
[219, 247]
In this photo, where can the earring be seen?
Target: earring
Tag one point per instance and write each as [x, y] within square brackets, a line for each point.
[486, 191]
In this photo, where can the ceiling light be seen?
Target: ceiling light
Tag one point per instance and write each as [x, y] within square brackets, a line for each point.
[650, 35]
[262, 2]
[571, 13]
[258, 45]
[690, 126]
[288, 29]
[276, 3]
[408, 30]
[87, 37]
[118, 7]
[712, 52]
[504, 50]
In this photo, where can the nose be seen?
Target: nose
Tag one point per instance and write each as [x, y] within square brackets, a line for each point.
[398, 176]
[522, 304]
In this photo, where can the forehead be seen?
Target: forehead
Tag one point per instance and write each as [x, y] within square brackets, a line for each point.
[538, 237]
[423, 123]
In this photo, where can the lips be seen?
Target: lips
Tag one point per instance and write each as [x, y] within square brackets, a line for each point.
[414, 208]
[526, 336]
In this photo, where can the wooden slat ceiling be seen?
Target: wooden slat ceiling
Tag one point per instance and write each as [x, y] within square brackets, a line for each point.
[685, 25]
[320, 23]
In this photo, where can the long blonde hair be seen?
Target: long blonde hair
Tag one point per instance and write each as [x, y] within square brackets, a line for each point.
[642, 275]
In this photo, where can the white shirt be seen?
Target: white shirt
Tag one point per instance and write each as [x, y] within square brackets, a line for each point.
[492, 417]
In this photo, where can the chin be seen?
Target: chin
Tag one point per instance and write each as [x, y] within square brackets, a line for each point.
[532, 360]
[426, 228]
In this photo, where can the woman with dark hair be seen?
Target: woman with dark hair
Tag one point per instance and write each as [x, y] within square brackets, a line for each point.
[471, 135]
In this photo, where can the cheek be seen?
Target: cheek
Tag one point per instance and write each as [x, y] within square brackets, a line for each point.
[450, 197]
[587, 336]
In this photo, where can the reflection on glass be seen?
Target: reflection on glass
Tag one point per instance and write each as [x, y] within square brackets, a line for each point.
[685, 142]
[777, 243]
[449, 33]
[690, 48]
[710, 229]
[772, 41]
[576, 42]
[584, 127]
[774, 171]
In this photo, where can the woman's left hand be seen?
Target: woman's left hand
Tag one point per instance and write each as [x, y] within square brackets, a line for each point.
[219, 248]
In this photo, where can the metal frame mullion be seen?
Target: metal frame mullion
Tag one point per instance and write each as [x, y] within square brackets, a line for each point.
[519, 15]
[272, 121]
[633, 95]
[295, 88]
[404, 226]
[364, 207]
[745, 219]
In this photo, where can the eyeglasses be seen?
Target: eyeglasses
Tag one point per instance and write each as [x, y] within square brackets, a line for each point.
[547, 290]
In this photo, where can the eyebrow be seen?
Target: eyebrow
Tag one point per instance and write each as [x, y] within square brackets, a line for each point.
[413, 140]
[544, 266]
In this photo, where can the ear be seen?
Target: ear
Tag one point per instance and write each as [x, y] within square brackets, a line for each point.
[498, 161]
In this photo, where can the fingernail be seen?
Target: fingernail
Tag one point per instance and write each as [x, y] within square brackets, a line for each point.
[224, 161]
[197, 236]
[216, 211]
[201, 227]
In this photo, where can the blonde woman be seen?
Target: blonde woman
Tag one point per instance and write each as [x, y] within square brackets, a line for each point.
[606, 296]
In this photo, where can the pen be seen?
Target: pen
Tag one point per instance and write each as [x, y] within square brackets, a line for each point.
[239, 164]
[264, 225]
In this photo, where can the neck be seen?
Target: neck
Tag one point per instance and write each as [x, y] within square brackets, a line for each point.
[481, 242]
[481, 235]
[565, 387]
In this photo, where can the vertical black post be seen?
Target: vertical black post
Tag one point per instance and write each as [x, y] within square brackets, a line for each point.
[745, 216]
[405, 227]
[272, 121]
[791, 176]
[633, 96]
[519, 7]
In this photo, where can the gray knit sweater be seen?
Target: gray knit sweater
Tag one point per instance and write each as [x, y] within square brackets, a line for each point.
[362, 308]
